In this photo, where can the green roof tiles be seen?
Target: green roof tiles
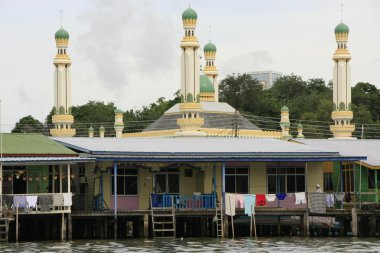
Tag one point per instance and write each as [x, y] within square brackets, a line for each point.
[209, 47]
[33, 144]
[206, 84]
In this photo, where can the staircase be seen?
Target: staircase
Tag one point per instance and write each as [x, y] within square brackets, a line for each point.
[219, 219]
[163, 221]
[4, 228]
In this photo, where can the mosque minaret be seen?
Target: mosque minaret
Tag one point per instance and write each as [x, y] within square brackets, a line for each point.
[62, 118]
[342, 113]
[210, 69]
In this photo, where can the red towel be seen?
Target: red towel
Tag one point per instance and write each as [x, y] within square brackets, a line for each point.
[260, 200]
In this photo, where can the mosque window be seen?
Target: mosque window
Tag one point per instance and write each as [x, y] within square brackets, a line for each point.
[237, 179]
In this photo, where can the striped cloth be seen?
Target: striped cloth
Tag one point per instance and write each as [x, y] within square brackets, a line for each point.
[317, 202]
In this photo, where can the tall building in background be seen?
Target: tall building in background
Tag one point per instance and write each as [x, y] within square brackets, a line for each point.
[266, 78]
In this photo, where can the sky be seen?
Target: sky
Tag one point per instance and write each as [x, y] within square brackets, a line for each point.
[127, 51]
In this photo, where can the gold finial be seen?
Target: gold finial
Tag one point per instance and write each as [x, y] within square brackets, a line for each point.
[61, 16]
[209, 33]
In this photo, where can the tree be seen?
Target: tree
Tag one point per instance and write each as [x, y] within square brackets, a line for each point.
[28, 124]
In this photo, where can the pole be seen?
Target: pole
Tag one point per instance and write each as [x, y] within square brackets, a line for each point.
[250, 227]
[254, 225]
[115, 198]
[223, 182]
[1, 161]
[17, 222]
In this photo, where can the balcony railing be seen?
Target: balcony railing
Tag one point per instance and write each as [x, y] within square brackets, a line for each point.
[37, 203]
[202, 201]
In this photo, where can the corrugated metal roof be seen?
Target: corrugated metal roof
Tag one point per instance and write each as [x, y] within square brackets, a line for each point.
[44, 160]
[32, 144]
[199, 148]
[208, 107]
[349, 147]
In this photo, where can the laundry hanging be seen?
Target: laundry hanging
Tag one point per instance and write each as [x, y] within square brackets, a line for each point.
[330, 200]
[317, 202]
[300, 198]
[239, 200]
[230, 200]
[270, 197]
[260, 200]
[249, 204]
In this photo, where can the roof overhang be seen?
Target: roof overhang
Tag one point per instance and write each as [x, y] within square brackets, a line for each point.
[16, 161]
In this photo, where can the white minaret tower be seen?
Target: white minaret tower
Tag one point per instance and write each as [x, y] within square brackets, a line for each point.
[210, 69]
[342, 114]
[62, 117]
[190, 66]
[190, 106]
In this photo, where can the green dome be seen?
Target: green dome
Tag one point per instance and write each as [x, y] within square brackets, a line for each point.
[300, 126]
[91, 129]
[101, 128]
[342, 28]
[61, 34]
[118, 111]
[209, 47]
[206, 84]
[284, 109]
[189, 14]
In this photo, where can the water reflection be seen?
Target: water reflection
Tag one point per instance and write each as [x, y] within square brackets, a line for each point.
[289, 244]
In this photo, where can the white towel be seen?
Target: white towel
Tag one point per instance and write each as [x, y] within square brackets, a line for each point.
[230, 204]
[340, 196]
[270, 197]
[32, 201]
[300, 198]
[330, 200]
[67, 200]
[57, 199]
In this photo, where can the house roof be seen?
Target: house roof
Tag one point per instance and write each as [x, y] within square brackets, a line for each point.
[200, 149]
[13, 161]
[349, 147]
[23, 145]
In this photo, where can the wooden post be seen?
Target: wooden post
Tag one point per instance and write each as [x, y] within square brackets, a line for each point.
[60, 178]
[254, 226]
[146, 225]
[225, 226]
[115, 200]
[17, 222]
[354, 224]
[63, 227]
[233, 227]
[279, 225]
[69, 227]
[306, 224]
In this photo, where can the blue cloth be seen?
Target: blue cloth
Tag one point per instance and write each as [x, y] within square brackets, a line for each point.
[249, 204]
[281, 196]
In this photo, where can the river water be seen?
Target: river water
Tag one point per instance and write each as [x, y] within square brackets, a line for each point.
[277, 244]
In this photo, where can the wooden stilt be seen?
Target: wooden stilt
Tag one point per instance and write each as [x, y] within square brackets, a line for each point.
[115, 229]
[254, 226]
[69, 227]
[63, 227]
[278, 225]
[146, 226]
[17, 223]
[354, 224]
[233, 227]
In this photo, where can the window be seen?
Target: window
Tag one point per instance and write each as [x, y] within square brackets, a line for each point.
[348, 177]
[126, 181]
[371, 179]
[285, 179]
[167, 180]
[328, 182]
[236, 179]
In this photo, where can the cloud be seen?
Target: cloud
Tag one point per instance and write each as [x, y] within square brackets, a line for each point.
[127, 40]
[254, 60]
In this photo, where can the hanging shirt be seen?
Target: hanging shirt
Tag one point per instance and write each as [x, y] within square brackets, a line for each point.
[339, 196]
[330, 201]
[32, 201]
[230, 203]
[260, 200]
[300, 198]
[239, 200]
[249, 204]
[281, 196]
[270, 197]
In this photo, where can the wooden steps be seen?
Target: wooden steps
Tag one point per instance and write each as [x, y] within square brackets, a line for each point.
[163, 221]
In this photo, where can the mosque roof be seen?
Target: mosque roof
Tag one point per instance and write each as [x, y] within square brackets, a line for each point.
[61, 34]
[189, 13]
[342, 28]
[215, 114]
[209, 47]
[205, 84]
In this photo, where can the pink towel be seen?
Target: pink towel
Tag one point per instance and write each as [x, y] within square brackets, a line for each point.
[239, 200]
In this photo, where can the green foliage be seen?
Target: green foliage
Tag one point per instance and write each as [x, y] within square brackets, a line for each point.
[28, 124]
